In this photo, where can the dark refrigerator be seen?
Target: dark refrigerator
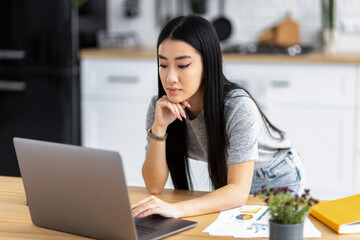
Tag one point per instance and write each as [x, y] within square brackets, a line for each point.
[39, 80]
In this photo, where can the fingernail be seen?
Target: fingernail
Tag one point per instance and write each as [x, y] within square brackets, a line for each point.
[140, 215]
[183, 114]
[179, 118]
[188, 105]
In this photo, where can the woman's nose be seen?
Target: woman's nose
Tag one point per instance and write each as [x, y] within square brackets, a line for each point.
[172, 76]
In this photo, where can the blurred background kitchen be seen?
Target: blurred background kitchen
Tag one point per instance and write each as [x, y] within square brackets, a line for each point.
[83, 72]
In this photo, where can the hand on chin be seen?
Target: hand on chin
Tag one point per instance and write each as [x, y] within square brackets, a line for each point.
[177, 99]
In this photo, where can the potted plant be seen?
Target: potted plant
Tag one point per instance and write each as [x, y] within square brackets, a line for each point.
[329, 34]
[288, 212]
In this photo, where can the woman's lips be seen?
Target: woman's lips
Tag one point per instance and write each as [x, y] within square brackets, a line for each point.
[173, 90]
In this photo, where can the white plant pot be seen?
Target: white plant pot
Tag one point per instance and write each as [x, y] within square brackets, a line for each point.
[330, 40]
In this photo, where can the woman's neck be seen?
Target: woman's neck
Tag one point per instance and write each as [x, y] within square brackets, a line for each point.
[192, 114]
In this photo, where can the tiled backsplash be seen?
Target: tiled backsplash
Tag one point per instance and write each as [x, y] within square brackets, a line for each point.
[249, 17]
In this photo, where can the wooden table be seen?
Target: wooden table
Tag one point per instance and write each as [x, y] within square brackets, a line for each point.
[15, 222]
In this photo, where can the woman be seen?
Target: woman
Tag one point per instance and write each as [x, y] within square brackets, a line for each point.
[199, 114]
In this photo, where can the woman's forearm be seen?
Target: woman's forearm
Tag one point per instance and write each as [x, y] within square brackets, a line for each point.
[224, 198]
[155, 171]
[234, 194]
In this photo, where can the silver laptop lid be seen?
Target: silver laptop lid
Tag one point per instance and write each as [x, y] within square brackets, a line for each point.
[59, 178]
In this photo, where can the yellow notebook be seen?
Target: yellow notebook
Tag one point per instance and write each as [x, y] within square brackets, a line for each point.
[342, 215]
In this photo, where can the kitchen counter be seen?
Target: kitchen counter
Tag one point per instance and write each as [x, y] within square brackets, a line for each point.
[315, 57]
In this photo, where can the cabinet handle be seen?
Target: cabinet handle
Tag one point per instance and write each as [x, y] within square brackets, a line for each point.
[280, 84]
[7, 54]
[123, 79]
[12, 86]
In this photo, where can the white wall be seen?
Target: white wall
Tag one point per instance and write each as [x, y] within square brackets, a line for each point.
[249, 17]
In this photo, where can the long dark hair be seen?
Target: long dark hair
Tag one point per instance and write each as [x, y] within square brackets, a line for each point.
[200, 34]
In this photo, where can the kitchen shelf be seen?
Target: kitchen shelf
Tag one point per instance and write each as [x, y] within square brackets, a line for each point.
[314, 57]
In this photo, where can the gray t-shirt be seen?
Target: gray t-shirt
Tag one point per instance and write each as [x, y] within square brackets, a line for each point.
[250, 138]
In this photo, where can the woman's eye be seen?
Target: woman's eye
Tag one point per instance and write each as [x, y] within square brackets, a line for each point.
[184, 66]
[162, 66]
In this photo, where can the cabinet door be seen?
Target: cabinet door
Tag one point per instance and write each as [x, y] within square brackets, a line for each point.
[128, 78]
[118, 126]
[297, 84]
[356, 172]
[324, 139]
[115, 97]
[356, 169]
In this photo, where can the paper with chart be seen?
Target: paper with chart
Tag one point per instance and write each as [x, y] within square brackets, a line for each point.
[249, 221]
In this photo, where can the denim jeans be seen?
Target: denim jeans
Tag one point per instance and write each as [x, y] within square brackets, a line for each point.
[286, 171]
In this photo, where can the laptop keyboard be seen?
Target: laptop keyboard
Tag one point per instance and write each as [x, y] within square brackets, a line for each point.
[143, 230]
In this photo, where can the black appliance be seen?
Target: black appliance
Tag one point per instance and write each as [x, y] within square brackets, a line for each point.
[39, 80]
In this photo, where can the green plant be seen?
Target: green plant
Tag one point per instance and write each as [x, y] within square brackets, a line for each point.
[328, 9]
[78, 3]
[196, 1]
[286, 207]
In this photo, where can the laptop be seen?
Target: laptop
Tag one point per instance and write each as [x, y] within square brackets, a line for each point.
[83, 191]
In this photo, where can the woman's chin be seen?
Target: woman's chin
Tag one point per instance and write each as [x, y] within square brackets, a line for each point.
[175, 99]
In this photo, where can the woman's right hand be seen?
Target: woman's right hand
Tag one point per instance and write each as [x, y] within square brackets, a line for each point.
[166, 112]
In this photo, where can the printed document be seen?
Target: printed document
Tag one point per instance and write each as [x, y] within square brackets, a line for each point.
[249, 221]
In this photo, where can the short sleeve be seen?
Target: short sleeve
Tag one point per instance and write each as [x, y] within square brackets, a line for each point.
[150, 117]
[243, 122]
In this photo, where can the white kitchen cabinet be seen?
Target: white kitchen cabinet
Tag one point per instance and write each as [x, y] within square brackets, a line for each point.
[115, 97]
[324, 140]
[356, 172]
[118, 126]
[315, 104]
[356, 169]
[297, 84]
[127, 78]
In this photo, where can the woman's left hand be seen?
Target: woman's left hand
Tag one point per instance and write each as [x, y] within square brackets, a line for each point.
[154, 205]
